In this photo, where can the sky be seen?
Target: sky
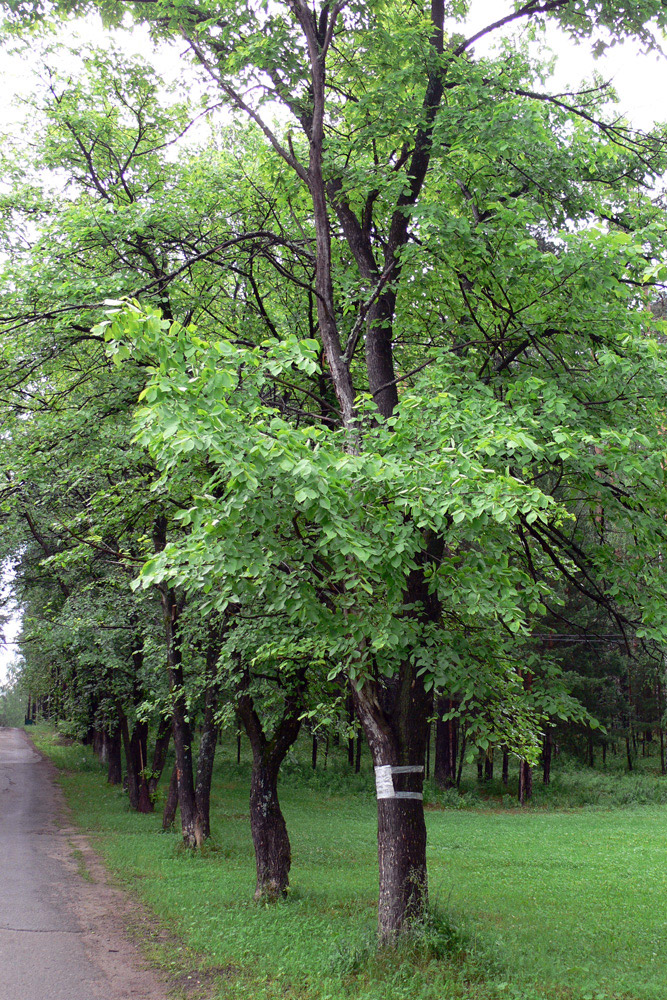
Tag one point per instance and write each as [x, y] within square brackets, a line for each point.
[639, 79]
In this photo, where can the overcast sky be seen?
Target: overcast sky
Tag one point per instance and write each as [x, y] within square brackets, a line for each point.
[640, 80]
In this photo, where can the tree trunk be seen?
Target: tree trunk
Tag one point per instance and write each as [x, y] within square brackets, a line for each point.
[506, 767]
[313, 756]
[547, 748]
[273, 855]
[462, 755]
[172, 606]
[481, 756]
[181, 728]
[162, 741]
[130, 767]
[525, 782]
[171, 805]
[115, 770]
[488, 765]
[207, 745]
[446, 744]
[139, 750]
[395, 721]
[628, 752]
[99, 744]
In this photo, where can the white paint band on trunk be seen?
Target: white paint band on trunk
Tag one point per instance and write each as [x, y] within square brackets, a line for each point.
[384, 783]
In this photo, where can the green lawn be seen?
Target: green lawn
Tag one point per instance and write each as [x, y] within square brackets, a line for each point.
[548, 904]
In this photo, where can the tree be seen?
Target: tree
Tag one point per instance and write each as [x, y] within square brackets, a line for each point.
[415, 509]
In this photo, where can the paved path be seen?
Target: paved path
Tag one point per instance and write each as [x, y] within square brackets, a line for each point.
[61, 937]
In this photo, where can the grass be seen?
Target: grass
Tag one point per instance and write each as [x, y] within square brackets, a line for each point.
[540, 904]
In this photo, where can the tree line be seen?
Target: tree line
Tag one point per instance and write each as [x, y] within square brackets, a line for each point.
[337, 396]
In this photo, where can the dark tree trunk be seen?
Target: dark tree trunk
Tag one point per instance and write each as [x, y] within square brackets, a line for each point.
[525, 782]
[604, 754]
[547, 748]
[488, 765]
[181, 728]
[135, 764]
[481, 756]
[591, 751]
[273, 855]
[357, 759]
[207, 745]
[428, 752]
[139, 749]
[313, 756]
[171, 805]
[628, 753]
[99, 744]
[397, 738]
[350, 741]
[446, 744]
[661, 734]
[115, 770]
[131, 775]
[162, 741]
[462, 755]
[506, 767]
[172, 606]
[394, 716]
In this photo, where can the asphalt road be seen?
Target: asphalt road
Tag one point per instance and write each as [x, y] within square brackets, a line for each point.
[61, 935]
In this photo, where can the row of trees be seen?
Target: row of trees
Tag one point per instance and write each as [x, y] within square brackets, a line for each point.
[352, 398]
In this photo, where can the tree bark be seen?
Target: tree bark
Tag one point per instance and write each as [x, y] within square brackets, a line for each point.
[395, 721]
[273, 854]
[506, 767]
[171, 805]
[462, 755]
[628, 753]
[207, 745]
[547, 748]
[525, 782]
[446, 744]
[172, 606]
[115, 769]
[162, 740]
